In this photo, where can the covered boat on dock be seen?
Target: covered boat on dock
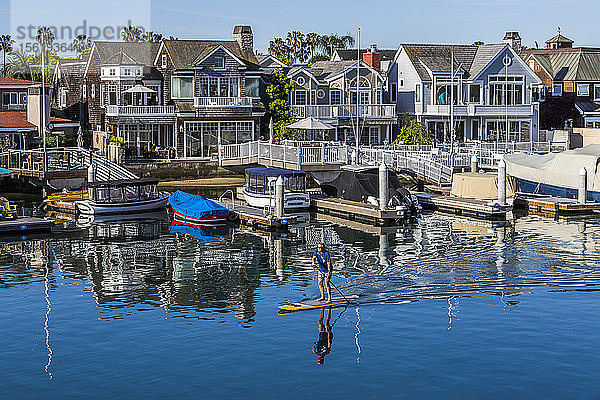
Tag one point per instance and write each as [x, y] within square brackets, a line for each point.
[122, 197]
[259, 188]
[556, 174]
[195, 209]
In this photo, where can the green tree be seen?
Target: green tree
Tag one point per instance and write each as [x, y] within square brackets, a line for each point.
[82, 44]
[6, 43]
[278, 107]
[413, 132]
[152, 37]
[131, 33]
[18, 65]
[278, 49]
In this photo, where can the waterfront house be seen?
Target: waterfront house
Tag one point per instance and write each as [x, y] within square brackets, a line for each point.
[491, 100]
[67, 80]
[571, 78]
[123, 91]
[214, 86]
[328, 90]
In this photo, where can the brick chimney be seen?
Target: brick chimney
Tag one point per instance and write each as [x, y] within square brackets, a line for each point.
[372, 57]
[243, 35]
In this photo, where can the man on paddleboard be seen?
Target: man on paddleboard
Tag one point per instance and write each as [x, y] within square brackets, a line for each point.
[323, 260]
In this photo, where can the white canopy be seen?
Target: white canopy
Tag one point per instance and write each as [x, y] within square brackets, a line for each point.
[311, 124]
[139, 89]
[559, 169]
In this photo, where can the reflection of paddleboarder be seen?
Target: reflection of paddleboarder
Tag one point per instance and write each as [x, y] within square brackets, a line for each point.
[322, 346]
[323, 260]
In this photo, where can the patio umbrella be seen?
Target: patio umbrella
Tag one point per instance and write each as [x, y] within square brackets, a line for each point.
[311, 124]
[139, 89]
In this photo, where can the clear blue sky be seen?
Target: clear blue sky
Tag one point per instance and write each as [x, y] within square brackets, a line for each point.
[386, 23]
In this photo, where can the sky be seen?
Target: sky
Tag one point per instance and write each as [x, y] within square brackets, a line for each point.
[386, 23]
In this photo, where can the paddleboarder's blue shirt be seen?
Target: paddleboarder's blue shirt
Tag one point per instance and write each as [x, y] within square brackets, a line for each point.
[323, 259]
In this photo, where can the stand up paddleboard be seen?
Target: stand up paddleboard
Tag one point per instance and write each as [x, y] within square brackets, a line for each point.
[312, 304]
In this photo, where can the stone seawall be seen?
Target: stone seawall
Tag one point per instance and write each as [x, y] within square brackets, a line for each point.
[178, 170]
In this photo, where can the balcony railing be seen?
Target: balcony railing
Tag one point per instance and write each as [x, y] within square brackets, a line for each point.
[139, 110]
[478, 110]
[345, 111]
[223, 101]
[13, 107]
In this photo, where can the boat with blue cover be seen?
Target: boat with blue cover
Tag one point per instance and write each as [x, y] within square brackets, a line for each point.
[197, 209]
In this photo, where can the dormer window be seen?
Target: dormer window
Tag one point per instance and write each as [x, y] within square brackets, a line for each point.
[557, 89]
[126, 71]
[219, 62]
[164, 61]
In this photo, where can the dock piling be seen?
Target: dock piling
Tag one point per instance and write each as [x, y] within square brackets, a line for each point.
[279, 191]
[502, 182]
[474, 163]
[383, 186]
[582, 188]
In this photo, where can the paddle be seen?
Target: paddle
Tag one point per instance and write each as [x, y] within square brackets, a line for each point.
[332, 284]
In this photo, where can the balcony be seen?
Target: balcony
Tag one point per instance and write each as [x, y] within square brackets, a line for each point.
[478, 110]
[119, 111]
[345, 111]
[200, 102]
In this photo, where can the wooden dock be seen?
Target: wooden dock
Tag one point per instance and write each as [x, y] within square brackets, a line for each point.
[256, 218]
[555, 207]
[25, 225]
[359, 212]
[470, 208]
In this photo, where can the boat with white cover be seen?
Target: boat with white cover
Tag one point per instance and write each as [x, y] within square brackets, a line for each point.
[123, 197]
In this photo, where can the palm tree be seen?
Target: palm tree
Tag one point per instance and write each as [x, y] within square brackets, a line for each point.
[18, 65]
[152, 37]
[279, 49]
[347, 41]
[82, 43]
[6, 43]
[45, 37]
[131, 34]
[295, 41]
[312, 42]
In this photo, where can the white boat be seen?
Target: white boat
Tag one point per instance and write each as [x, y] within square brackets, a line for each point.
[259, 188]
[123, 197]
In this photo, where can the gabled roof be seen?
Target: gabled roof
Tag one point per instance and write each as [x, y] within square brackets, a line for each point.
[559, 39]
[265, 58]
[184, 53]
[322, 71]
[484, 56]
[576, 65]
[436, 58]
[121, 58]
[143, 53]
[587, 107]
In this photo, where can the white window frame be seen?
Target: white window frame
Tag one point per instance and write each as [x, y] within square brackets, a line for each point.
[62, 97]
[597, 86]
[93, 90]
[556, 92]
[418, 93]
[581, 86]
[296, 97]
[84, 91]
[218, 64]
[320, 94]
[337, 91]
[300, 80]
[469, 93]
[163, 61]
[112, 72]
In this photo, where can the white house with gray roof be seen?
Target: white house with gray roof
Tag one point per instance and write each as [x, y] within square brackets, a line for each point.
[327, 90]
[492, 96]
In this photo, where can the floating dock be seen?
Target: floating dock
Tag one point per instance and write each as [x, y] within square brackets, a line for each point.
[470, 208]
[25, 225]
[555, 207]
[256, 218]
[359, 212]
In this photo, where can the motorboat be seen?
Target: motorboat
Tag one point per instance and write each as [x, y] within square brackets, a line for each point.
[259, 188]
[556, 174]
[122, 197]
[194, 209]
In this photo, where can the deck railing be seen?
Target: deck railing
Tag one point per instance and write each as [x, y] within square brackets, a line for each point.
[223, 101]
[140, 110]
[345, 111]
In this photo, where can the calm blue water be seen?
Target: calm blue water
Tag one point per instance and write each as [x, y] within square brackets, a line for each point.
[448, 309]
